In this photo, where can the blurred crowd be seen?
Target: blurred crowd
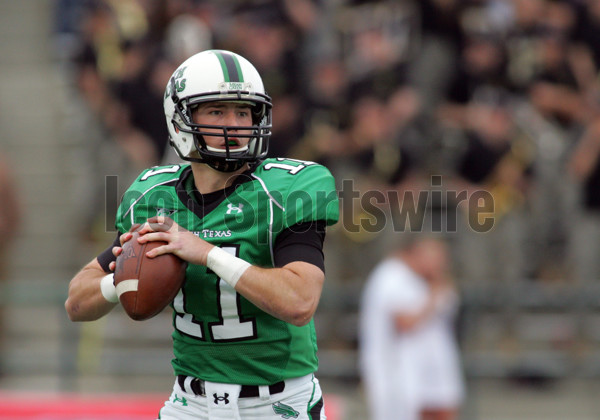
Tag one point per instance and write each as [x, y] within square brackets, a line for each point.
[490, 107]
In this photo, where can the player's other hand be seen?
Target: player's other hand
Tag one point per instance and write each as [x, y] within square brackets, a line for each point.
[181, 242]
[118, 249]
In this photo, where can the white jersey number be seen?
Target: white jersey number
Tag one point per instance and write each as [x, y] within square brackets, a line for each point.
[232, 326]
[292, 169]
[168, 170]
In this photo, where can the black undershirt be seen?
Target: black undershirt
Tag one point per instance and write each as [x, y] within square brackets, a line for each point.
[300, 242]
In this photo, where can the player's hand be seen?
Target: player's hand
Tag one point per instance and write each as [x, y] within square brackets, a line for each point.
[180, 241]
[118, 249]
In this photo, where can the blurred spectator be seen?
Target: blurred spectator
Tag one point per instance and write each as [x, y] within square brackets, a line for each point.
[378, 41]
[522, 35]
[261, 31]
[190, 32]
[492, 154]
[539, 62]
[584, 50]
[439, 48]
[497, 158]
[554, 90]
[327, 113]
[10, 216]
[139, 126]
[68, 15]
[409, 357]
[482, 68]
[584, 166]
[121, 76]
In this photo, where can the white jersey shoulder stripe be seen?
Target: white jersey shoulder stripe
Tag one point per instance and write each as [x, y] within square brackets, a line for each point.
[143, 194]
[264, 186]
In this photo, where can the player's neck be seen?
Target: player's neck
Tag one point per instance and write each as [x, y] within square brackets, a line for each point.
[207, 179]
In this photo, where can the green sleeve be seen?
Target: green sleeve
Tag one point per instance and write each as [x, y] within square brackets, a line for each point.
[312, 196]
[149, 191]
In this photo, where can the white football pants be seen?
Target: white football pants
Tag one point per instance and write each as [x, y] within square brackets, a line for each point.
[301, 399]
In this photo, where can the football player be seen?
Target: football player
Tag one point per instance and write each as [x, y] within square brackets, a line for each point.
[251, 229]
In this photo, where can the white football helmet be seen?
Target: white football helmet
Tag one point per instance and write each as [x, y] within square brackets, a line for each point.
[216, 75]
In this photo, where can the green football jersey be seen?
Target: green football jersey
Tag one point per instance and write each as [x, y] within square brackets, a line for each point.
[219, 335]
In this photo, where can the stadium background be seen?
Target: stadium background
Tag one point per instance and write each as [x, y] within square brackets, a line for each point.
[375, 83]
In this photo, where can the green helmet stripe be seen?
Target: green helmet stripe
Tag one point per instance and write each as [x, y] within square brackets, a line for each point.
[232, 72]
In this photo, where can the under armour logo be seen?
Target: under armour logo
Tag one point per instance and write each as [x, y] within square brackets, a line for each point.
[219, 398]
[165, 212]
[231, 208]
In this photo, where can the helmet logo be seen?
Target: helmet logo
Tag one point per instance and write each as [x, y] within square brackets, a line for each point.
[235, 86]
[225, 86]
[179, 84]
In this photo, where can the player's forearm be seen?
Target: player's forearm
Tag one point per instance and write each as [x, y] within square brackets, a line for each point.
[291, 293]
[405, 322]
[85, 301]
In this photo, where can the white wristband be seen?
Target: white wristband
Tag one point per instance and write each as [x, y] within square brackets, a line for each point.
[229, 267]
[107, 287]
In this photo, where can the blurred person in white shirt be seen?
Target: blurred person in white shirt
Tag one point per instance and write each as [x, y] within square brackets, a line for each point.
[410, 360]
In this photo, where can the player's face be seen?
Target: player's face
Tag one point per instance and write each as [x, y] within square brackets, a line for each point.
[228, 114]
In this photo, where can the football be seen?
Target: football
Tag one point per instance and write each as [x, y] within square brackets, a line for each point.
[145, 286]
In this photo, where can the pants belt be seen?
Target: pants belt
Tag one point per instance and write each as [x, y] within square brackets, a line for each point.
[248, 391]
